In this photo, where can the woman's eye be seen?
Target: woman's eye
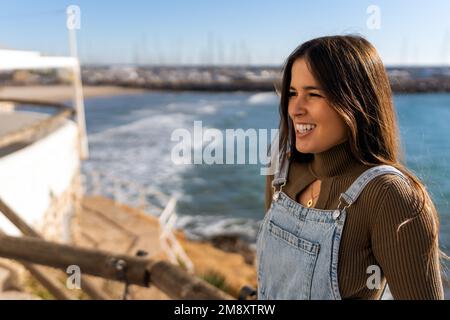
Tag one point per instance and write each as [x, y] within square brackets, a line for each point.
[293, 93]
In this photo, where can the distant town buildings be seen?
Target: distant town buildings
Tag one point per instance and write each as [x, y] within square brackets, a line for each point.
[218, 78]
[185, 78]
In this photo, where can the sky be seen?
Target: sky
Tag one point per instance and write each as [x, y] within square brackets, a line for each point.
[231, 32]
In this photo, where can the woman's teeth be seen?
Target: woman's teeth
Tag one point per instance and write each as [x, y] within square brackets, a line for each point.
[302, 128]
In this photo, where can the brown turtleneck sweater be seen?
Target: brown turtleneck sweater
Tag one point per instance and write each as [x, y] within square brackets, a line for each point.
[370, 235]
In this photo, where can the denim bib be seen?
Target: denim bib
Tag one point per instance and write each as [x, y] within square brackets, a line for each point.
[298, 247]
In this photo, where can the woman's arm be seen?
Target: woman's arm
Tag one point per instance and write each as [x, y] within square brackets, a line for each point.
[403, 244]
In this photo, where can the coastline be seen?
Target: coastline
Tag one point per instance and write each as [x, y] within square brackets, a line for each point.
[61, 93]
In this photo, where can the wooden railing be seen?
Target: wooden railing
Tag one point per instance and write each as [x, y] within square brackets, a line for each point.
[169, 278]
[40, 127]
[48, 282]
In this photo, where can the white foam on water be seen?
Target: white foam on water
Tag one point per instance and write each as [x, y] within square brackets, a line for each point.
[140, 151]
[209, 109]
[204, 227]
[203, 107]
[263, 98]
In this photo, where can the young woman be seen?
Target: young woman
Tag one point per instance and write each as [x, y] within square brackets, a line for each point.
[344, 214]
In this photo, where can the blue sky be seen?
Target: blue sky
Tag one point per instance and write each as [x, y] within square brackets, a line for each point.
[229, 32]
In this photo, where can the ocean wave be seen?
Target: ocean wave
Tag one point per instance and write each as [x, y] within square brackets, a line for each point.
[201, 227]
[139, 151]
[263, 98]
[204, 107]
[208, 109]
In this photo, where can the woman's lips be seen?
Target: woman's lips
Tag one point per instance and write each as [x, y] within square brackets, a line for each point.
[301, 135]
[303, 129]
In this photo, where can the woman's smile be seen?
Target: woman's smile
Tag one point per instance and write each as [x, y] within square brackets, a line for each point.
[302, 130]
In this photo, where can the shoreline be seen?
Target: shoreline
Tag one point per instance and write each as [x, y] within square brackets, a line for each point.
[61, 93]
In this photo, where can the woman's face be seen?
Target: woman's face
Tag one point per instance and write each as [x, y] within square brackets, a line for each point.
[309, 109]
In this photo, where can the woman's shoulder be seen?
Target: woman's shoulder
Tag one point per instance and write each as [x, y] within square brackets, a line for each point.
[391, 192]
[377, 186]
[394, 185]
[391, 182]
[397, 198]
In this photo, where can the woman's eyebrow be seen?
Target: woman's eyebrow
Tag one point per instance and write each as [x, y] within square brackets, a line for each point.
[308, 88]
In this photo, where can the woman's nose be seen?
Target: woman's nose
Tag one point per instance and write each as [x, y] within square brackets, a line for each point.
[298, 108]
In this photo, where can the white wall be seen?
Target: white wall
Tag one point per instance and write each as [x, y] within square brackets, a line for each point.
[28, 177]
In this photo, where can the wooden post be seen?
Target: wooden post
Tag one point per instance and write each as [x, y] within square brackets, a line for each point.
[179, 284]
[86, 284]
[171, 279]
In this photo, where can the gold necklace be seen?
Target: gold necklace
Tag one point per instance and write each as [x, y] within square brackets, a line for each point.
[310, 201]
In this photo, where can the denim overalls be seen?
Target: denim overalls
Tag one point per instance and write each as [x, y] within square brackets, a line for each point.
[298, 247]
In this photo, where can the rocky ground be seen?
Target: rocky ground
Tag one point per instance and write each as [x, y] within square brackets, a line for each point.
[11, 286]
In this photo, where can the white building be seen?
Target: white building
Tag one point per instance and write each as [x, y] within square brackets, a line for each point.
[40, 154]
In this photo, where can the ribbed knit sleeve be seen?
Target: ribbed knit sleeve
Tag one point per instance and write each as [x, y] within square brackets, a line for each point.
[269, 192]
[402, 243]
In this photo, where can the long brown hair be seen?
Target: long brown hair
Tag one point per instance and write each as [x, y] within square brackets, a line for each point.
[355, 83]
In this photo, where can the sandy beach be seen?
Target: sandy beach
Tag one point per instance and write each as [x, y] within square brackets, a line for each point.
[62, 93]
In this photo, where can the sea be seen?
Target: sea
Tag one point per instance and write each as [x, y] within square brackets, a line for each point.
[132, 139]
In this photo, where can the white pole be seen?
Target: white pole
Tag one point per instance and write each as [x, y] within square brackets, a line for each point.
[73, 23]
[78, 102]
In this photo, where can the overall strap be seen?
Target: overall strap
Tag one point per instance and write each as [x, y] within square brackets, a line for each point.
[281, 175]
[353, 192]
